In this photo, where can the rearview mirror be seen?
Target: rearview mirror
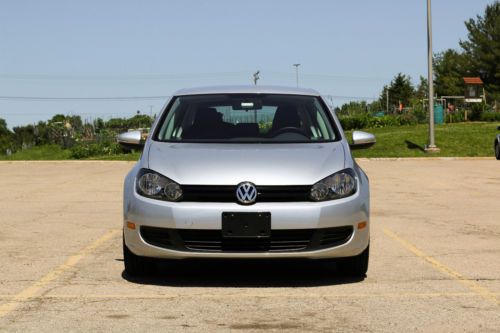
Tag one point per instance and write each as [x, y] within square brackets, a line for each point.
[362, 140]
[131, 140]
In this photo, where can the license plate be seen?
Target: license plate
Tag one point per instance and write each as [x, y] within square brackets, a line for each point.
[246, 225]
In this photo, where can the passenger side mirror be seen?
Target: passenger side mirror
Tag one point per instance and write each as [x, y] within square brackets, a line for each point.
[131, 140]
[362, 140]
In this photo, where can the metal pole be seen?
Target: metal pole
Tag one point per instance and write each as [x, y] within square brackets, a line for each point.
[297, 73]
[387, 100]
[431, 147]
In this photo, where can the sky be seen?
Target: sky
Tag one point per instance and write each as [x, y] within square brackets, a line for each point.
[78, 57]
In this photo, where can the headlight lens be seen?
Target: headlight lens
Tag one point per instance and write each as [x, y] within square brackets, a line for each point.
[153, 185]
[339, 185]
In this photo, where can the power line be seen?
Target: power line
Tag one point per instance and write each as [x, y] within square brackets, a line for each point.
[115, 77]
[48, 77]
[114, 98]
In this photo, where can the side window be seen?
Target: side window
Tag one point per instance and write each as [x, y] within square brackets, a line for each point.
[322, 127]
[168, 128]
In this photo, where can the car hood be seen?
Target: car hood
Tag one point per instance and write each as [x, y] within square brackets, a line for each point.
[231, 164]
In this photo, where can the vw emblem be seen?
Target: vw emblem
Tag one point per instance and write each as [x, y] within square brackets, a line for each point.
[246, 193]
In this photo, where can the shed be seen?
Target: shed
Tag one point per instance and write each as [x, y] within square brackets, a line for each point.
[473, 89]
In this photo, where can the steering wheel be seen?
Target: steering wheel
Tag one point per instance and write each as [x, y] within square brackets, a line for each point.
[289, 129]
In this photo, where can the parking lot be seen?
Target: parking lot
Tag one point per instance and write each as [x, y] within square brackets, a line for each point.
[434, 263]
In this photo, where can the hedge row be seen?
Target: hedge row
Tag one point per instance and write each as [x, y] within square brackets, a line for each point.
[368, 121]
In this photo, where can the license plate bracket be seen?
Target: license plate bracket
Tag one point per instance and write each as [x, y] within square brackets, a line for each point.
[246, 225]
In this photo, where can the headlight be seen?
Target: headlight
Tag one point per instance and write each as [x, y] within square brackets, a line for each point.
[339, 185]
[153, 185]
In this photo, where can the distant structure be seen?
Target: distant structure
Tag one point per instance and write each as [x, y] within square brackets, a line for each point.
[474, 92]
[256, 77]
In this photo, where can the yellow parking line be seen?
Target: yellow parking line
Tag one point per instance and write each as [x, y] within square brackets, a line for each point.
[36, 287]
[439, 266]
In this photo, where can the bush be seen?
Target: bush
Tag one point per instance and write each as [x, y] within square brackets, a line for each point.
[490, 116]
[366, 121]
[354, 122]
[455, 117]
[407, 119]
[477, 111]
[87, 149]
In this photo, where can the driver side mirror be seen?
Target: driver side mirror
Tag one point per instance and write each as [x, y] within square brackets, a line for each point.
[131, 140]
[362, 140]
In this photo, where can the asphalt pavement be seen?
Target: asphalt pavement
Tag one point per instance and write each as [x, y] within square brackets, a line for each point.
[434, 265]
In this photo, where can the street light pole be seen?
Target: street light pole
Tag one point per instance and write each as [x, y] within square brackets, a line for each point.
[297, 73]
[431, 147]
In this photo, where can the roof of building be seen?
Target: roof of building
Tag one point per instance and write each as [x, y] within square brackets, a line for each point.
[473, 80]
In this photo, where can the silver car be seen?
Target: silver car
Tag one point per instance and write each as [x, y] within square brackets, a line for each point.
[246, 172]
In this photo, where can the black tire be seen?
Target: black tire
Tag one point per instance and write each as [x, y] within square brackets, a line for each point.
[497, 150]
[356, 266]
[136, 265]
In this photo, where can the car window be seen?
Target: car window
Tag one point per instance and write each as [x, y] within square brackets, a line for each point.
[251, 118]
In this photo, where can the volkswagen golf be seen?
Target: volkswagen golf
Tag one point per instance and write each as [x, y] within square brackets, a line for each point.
[246, 172]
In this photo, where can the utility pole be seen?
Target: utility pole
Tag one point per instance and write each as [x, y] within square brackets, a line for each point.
[387, 100]
[256, 77]
[297, 73]
[431, 147]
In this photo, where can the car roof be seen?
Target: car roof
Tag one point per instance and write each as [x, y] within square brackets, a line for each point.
[247, 90]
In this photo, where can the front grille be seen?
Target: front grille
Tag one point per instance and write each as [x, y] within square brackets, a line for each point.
[292, 240]
[218, 193]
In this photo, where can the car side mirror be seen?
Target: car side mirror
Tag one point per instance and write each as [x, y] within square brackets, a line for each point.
[131, 140]
[362, 140]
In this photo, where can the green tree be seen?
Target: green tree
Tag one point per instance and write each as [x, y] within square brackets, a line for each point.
[422, 90]
[6, 138]
[450, 67]
[353, 108]
[140, 121]
[483, 47]
[24, 136]
[400, 89]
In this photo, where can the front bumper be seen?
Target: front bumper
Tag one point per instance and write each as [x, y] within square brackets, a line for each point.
[284, 216]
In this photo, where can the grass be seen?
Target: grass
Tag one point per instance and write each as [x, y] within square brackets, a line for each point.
[118, 157]
[55, 152]
[454, 140]
[46, 152]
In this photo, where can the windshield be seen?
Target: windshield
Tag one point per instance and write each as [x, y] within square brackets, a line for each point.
[249, 118]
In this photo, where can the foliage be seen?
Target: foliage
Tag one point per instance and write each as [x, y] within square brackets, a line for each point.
[450, 67]
[400, 90]
[6, 138]
[87, 149]
[69, 132]
[353, 108]
[368, 121]
[422, 90]
[123, 124]
[265, 127]
[483, 47]
[477, 111]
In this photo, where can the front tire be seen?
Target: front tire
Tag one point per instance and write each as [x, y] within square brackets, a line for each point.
[356, 266]
[136, 265]
[497, 150]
